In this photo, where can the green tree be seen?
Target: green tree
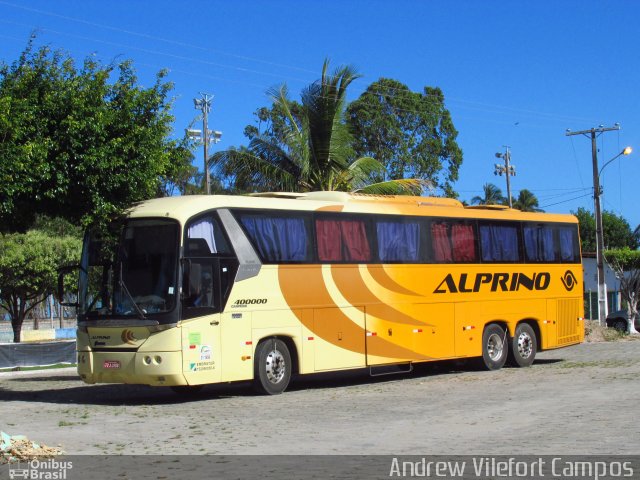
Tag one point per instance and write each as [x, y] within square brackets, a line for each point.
[306, 146]
[28, 270]
[492, 196]
[616, 231]
[410, 133]
[527, 202]
[82, 142]
[626, 265]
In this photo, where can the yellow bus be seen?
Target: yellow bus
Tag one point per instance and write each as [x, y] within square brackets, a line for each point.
[210, 289]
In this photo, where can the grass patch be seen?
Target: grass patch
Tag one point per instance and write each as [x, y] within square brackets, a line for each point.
[48, 367]
[594, 332]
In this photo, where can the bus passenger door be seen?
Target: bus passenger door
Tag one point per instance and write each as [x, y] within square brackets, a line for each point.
[201, 350]
[201, 321]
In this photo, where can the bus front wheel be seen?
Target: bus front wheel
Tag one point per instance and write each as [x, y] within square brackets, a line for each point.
[523, 346]
[494, 347]
[272, 367]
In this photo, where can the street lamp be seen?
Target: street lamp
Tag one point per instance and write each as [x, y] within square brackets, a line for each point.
[204, 104]
[508, 170]
[597, 193]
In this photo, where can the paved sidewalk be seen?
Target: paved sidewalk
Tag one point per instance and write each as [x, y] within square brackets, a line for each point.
[578, 400]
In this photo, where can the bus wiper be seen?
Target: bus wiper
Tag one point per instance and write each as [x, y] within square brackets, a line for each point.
[126, 290]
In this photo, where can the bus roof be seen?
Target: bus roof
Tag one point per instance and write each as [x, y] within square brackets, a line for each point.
[182, 208]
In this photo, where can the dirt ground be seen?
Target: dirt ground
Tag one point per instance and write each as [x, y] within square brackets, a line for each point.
[578, 400]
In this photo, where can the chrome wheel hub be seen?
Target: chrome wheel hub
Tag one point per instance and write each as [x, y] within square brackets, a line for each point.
[495, 347]
[525, 345]
[275, 367]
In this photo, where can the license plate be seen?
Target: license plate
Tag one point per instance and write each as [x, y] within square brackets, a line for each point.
[111, 364]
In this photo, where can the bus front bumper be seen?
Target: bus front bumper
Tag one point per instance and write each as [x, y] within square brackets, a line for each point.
[145, 368]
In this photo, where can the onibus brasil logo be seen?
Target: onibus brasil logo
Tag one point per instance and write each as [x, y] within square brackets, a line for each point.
[49, 469]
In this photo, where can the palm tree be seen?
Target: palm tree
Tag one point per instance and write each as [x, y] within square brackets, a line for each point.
[314, 150]
[492, 196]
[527, 202]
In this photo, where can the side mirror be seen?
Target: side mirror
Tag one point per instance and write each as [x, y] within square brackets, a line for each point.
[67, 275]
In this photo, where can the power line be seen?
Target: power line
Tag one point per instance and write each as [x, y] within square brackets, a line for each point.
[566, 201]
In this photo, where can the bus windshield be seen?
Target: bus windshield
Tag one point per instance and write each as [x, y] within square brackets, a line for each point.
[136, 276]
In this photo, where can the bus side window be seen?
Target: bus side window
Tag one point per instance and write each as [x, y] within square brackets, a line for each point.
[205, 237]
[453, 242]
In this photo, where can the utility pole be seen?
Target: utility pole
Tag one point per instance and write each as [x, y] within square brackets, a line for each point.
[204, 104]
[597, 191]
[508, 169]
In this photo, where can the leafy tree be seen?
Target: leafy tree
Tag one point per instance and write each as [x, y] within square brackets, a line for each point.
[527, 202]
[306, 146]
[82, 142]
[492, 196]
[410, 133]
[626, 265]
[616, 231]
[28, 270]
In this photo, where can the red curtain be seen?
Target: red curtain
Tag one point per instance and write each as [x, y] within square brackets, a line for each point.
[354, 236]
[441, 244]
[333, 235]
[329, 240]
[464, 249]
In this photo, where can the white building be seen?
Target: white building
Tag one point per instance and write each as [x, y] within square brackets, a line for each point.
[590, 272]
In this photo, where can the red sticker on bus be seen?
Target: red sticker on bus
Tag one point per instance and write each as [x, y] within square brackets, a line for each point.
[111, 364]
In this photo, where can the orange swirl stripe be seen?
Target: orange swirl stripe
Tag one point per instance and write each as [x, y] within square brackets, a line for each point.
[303, 286]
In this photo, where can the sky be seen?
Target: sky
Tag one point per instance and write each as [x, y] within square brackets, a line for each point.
[514, 73]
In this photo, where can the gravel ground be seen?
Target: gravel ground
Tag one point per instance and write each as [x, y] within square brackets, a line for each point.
[577, 400]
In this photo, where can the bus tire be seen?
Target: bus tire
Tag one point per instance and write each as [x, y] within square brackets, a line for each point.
[494, 347]
[272, 367]
[524, 346]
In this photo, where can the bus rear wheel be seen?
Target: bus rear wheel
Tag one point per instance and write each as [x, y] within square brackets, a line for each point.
[523, 346]
[494, 347]
[272, 367]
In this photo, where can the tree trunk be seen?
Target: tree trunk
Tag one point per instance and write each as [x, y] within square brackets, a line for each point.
[17, 314]
[17, 329]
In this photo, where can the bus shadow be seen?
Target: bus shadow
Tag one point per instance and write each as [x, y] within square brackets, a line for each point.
[112, 394]
[72, 391]
[435, 369]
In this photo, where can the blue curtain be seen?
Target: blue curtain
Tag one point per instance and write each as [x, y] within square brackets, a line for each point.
[278, 239]
[499, 243]
[568, 251]
[538, 244]
[398, 242]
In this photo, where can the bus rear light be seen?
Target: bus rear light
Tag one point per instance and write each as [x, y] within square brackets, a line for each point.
[157, 359]
[146, 360]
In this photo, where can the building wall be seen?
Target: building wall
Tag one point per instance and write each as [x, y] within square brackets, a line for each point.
[590, 272]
